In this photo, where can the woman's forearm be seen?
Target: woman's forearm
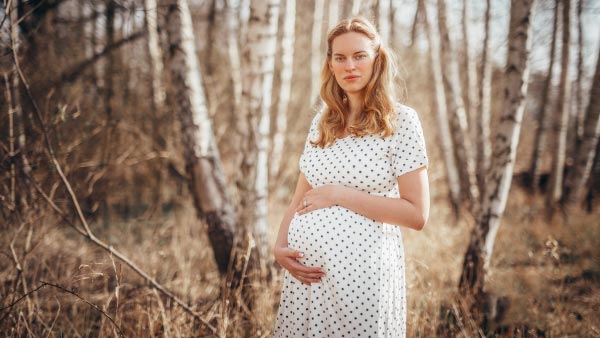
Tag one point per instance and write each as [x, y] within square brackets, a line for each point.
[282, 234]
[397, 211]
[302, 186]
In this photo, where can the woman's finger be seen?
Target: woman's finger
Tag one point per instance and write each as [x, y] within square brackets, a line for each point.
[316, 276]
[306, 210]
[294, 253]
[306, 269]
[307, 281]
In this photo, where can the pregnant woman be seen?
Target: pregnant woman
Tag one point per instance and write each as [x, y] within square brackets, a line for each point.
[363, 177]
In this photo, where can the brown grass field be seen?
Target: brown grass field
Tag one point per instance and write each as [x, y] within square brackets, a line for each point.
[549, 274]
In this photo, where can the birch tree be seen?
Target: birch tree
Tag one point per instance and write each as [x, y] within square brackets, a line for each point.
[315, 58]
[203, 164]
[442, 115]
[233, 51]
[539, 144]
[254, 124]
[579, 174]
[561, 114]
[157, 88]
[579, 109]
[457, 115]
[287, 62]
[483, 104]
[333, 12]
[383, 19]
[506, 139]
[469, 67]
[417, 18]
[356, 5]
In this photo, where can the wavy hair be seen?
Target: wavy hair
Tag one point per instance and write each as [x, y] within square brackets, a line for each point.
[378, 108]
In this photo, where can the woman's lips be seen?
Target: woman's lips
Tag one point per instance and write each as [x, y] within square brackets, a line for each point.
[351, 78]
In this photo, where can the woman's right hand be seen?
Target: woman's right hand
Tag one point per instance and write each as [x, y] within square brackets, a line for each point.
[287, 258]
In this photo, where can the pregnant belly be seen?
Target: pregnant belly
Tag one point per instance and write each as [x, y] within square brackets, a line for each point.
[331, 235]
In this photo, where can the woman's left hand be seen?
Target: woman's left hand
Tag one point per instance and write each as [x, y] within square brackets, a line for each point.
[318, 198]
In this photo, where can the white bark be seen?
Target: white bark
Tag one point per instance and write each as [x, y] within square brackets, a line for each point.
[507, 136]
[482, 109]
[456, 108]
[234, 52]
[504, 153]
[315, 56]
[542, 121]
[258, 65]
[287, 61]
[579, 109]
[580, 173]
[383, 14]
[356, 4]
[203, 163]
[156, 62]
[333, 13]
[561, 114]
[442, 114]
[470, 68]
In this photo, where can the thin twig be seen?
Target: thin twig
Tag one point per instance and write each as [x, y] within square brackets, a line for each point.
[87, 232]
[20, 298]
[55, 318]
[88, 303]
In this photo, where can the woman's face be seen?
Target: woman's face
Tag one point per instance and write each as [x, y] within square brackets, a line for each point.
[352, 61]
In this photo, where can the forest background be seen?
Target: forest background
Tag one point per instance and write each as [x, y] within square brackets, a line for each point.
[148, 149]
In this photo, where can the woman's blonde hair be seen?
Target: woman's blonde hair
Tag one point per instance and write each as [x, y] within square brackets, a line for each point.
[378, 107]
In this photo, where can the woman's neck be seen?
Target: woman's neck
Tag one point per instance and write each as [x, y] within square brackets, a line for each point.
[355, 105]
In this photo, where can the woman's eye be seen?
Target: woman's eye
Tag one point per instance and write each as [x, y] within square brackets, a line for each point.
[361, 56]
[339, 59]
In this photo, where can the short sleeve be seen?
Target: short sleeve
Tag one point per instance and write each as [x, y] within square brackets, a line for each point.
[313, 132]
[408, 150]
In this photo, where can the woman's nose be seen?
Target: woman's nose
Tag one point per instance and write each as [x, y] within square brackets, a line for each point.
[350, 64]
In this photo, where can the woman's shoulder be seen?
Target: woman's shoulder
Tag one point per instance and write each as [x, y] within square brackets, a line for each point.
[404, 112]
[407, 120]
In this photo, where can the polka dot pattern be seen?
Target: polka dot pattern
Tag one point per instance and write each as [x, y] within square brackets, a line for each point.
[363, 291]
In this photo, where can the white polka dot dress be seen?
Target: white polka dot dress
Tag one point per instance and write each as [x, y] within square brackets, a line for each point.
[363, 291]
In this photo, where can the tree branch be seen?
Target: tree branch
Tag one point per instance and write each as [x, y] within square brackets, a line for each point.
[73, 74]
[86, 232]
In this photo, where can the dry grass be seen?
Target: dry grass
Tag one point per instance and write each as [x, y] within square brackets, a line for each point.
[550, 274]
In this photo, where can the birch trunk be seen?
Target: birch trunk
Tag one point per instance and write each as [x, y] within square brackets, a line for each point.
[254, 124]
[356, 5]
[580, 172]
[457, 114]
[561, 115]
[542, 120]
[444, 132]
[499, 179]
[580, 111]
[17, 136]
[157, 88]
[383, 20]
[333, 12]
[155, 53]
[203, 164]
[234, 52]
[287, 61]
[470, 69]
[418, 14]
[482, 111]
[315, 58]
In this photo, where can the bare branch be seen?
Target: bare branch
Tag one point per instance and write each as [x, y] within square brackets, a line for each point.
[87, 232]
